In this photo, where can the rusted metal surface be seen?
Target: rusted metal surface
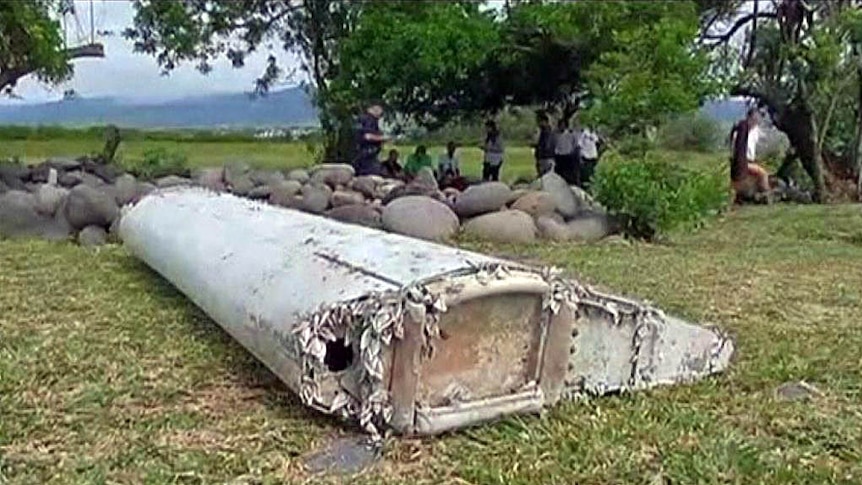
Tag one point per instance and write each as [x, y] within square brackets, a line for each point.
[399, 334]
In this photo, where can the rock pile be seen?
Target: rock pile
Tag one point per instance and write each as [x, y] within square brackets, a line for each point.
[65, 199]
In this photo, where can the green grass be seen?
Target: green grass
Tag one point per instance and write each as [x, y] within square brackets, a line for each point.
[108, 375]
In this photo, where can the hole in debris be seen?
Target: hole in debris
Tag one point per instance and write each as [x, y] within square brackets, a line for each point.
[338, 356]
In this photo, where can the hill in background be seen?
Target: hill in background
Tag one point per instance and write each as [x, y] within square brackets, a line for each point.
[290, 107]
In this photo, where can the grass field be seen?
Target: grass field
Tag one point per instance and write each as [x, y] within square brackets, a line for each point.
[108, 375]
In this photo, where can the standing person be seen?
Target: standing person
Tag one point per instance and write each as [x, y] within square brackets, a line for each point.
[743, 161]
[565, 155]
[493, 148]
[588, 147]
[448, 166]
[369, 141]
[543, 150]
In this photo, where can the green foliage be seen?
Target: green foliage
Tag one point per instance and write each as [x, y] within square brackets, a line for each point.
[691, 132]
[156, 163]
[31, 41]
[660, 196]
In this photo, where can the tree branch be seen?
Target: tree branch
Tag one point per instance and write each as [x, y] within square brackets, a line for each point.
[740, 23]
[11, 76]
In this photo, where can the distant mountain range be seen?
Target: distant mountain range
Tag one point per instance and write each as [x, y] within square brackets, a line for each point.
[290, 107]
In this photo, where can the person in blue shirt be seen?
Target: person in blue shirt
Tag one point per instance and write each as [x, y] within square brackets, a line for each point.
[369, 141]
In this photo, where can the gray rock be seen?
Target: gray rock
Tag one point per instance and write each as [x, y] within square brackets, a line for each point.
[385, 188]
[420, 217]
[260, 193]
[517, 194]
[346, 197]
[332, 174]
[797, 391]
[584, 199]
[86, 206]
[211, 178]
[172, 181]
[48, 198]
[266, 177]
[64, 164]
[511, 226]
[552, 229]
[114, 231]
[19, 216]
[92, 236]
[482, 198]
[365, 185]
[426, 177]
[70, 179]
[413, 189]
[53, 177]
[537, 204]
[589, 227]
[125, 189]
[360, 214]
[564, 198]
[91, 180]
[233, 171]
[3, 188]
[283, 192]
[13, 176]
[315, 198]
[298, 175]
[144, 188]
[241, 185]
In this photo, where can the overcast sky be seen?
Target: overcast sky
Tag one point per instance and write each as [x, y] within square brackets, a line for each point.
[125, 74]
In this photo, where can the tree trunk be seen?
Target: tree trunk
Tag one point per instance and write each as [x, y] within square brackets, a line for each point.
[797, 122]
[857, 140]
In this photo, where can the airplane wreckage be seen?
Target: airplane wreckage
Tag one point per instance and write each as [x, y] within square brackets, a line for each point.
[403, 335]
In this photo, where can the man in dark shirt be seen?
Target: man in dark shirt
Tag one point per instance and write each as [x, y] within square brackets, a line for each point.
[369, 141]
[545, 146]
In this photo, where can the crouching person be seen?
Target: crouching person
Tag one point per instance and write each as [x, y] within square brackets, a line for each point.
[745, 172]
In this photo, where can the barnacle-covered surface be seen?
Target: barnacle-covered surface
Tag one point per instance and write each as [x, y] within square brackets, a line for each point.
[400, 334]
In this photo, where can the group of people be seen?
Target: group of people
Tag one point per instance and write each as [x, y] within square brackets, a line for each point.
[572, 153]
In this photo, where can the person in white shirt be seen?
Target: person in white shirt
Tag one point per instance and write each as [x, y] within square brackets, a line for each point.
[743, 161]
[588, 148]
[448, 167]
[493, 148]
[565, 153]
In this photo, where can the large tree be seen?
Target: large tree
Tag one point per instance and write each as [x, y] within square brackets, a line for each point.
[796, 59]
[31, 42]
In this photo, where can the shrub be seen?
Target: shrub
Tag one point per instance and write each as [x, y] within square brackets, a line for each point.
[695, 132]
[158, 162]
[657, 196]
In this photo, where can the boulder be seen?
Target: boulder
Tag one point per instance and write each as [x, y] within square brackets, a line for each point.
[114, 231]
[58, 228]
[144, 188]
[211, 178]
[91, 180]
[241, 185]
[413, 189]
[552, 229]
[86, 206]
[92, 236]
[425, 176]
[172, 181]
[360, 214]
[64, 164]
[266, 177]
[298, 175]
[233, 171]
[589, 227]
[346, 197]
[482, 198]
[366, 185]
[3, 188]
[517, 194]
[332, 174]
[125, 189]
[107, 174]
[511, 226]
[283, 192]
[584, 199]
[70, 179]
[385, 188]
[537, 204]
[13, 175]
[315, 198]
[420, 217]
[39, 173]
[48, 198]
[564, 198]
[260, 193]
[19, 216]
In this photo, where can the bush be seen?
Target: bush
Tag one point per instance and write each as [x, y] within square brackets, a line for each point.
[657, 196]
[695, 132]
[158, 162]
